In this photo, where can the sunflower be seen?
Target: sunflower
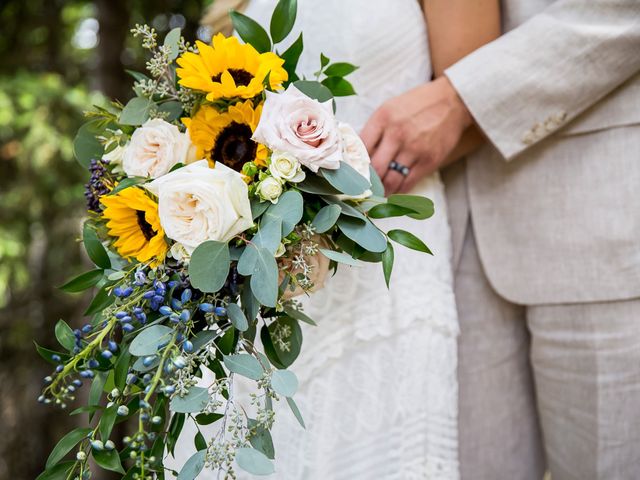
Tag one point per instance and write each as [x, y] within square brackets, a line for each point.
[132, 219]
[225, 137]
[229, 69]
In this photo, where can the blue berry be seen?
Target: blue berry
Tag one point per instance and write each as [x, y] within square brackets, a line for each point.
[140, 278]
[172, 284]
[131, 379]
[87, 374]
[87, 328]
[97, 445]
[121, 315]
[174, 318]
[179, 362]
[187, 346]
[77, 382]
[128, 328]
[77, 333]
[176, 304]
[186, 295]
[165, 310]
[59, 368]
[220, 311]
[127, 292]
[125, 319]
[185, 315]
[147, 361]
[158, 298]
[106, 354]
[122, 411]
[93, 363]
[55, 358]
[206, 307]
[142, 317]
[113, 346]
[149, 294]
[169, 389]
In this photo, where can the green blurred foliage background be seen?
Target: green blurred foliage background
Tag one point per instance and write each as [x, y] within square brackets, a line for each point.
[57, 59]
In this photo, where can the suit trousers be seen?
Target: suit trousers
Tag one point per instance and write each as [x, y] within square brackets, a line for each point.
[545, 386]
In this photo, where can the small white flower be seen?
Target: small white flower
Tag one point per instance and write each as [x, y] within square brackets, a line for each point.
[354, 154]
[154, 149]
[116, 154]
[197, 203]
[286, 167]
[270, 189]
[180, 253]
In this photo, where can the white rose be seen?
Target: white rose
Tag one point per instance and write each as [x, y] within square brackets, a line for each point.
[286, 167]
[269, 189]
[154, 149]
[354, 154]
[307, 129]
[197, 203]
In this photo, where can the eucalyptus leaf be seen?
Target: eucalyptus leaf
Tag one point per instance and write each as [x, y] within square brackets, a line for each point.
[149, 339]
[83, 282]
[193, 466]
[237, 317]
[245, 365]
[364, 234]
[202, 339]
[346, 179]
[289, 210]
[65, 335]
[258, 207]
[250, 304]
[250, 31]
[269, 234]
[66, 444]
[194, 401]
[86, 146]
[317, 185]
[284, 383]
[286, 355]
[209, 266]
[283, 19]
[340, 257]
[254, 462]
[261, 439]
[408, 240]
[296, 411]
[109, 460]
[172, 40]
[94, 248]
[264, 280]
[136, 111]
[326, 218]
[377, 187]
[173, 109]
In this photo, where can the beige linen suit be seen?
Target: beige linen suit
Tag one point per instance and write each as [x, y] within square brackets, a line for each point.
[546, 226]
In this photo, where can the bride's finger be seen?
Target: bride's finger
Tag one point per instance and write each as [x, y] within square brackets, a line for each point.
[372, 132]
[393, 179]
[383, 155]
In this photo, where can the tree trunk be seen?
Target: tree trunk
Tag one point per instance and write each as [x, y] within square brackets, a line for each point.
[113, 18]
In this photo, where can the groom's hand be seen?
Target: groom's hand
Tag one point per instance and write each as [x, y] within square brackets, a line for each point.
[418, 130]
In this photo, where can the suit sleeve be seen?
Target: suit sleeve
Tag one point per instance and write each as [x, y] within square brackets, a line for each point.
[528, 83]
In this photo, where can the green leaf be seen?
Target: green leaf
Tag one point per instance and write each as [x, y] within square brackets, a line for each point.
[326, 218]
[249, 303]
[254, 461]
[199, 442]
[245, 365]
[136, 111]
[101, 301]
[298, 315]
[126, 183]
[86, 146]
[408, 240]
[47, 354]
[291, 57]
[58, 472]
[324, 60]
[108, 459]
[387, 210]
[423, 206]
[250, 31]
[175, 427]
[138, 76]
[194, 401]
[377, 188]
[107, 421]
[347, 209]
[121, 369]
[364, 234]
[296, 411]
[149, 339]
[236, 315]
[209, 266]
[346, 179]
[289, 210]
[65, 335]
[269, 348]
[387, 263]
[261, 439]
[94, 248]
[173, 108]
[86, 409]
[97, 387]
[315, 90]
[269, 234]
[172, 40]
[288, 353]
[317, 185]
[208, 418]
[340, 69]
[340, 257]
[264, 280]
[283, 19]
[339, 87]
[202, 339]
[66, 444]
[258, 207]
[284, 383]
[193, 466]
[83, 281]
[227, 341]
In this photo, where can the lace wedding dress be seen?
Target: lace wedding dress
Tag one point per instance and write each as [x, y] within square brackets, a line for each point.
[378, 388]
[378, 374]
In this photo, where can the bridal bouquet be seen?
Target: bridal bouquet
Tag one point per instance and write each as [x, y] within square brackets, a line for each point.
[225, 189]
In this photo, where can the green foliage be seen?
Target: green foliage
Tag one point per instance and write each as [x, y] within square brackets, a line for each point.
[254, 461]
[251, 31]
[283, 19]
[209, 266]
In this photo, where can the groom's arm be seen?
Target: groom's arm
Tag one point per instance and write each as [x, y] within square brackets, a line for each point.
[530, 82]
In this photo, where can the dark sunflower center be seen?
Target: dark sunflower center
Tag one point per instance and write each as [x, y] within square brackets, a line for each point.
[145, 227]
[240, 76]
[234, 146]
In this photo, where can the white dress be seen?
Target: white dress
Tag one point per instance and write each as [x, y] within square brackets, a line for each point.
[378, 388]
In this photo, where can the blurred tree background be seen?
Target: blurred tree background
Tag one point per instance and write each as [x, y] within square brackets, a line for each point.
[57, 59]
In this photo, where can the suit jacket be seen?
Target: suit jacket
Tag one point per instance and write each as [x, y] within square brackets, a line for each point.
[554, 196]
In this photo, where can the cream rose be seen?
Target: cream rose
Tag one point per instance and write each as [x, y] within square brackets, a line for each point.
[154, 149]
[269, 189]
[286, 167]
[354, 154]
[197, 203]
[301, 126]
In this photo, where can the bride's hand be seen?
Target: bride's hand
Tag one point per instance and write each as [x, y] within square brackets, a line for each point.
[417, 130]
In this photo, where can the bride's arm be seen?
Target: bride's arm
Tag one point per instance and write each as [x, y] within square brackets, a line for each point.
[457, 28]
